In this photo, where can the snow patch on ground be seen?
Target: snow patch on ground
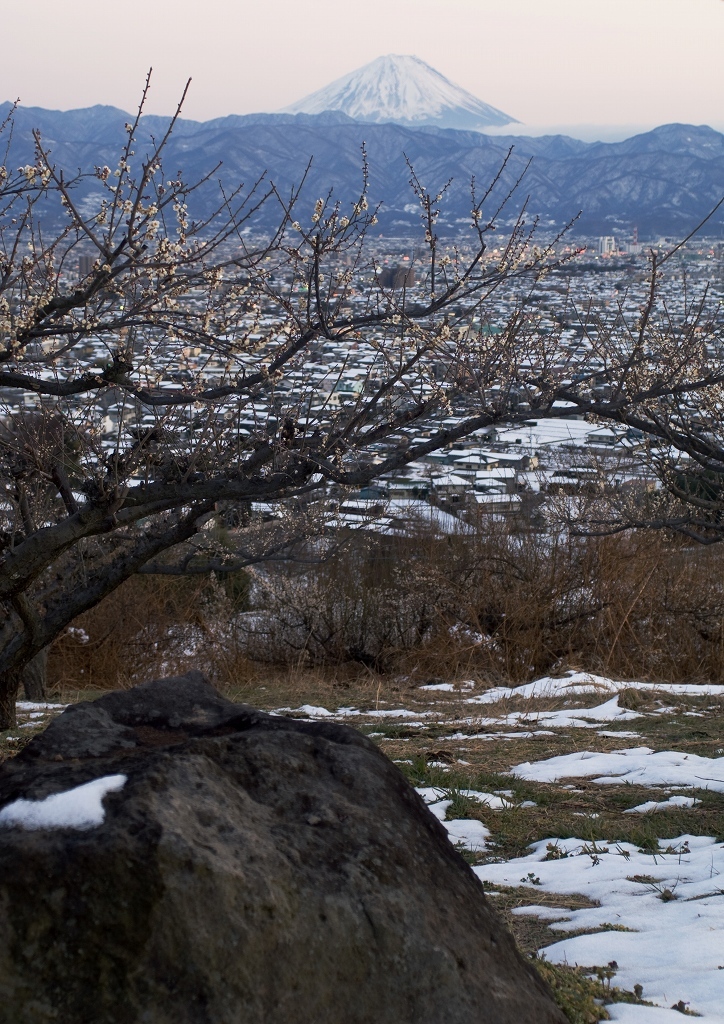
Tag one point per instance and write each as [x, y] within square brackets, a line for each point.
[639, 766]
[668, 903]
[465, 832]
[81, 807]
[468, 833]
[495, 801]
[663, 805]
[434, 795]
[30, 705]
[586, 682]
[430, 794]
[628, 1014]
[525, 735]
[311, 711]
[397, 713]
[578, 718]
[676, 945]
[314, 712]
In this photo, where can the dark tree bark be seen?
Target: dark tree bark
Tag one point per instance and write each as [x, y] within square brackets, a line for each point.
[9, 688]
[35, 677]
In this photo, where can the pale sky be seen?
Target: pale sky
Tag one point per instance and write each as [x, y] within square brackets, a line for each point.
[546, 62]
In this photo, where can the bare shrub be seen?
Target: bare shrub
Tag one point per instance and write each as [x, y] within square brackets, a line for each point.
[149, 626]
[361, 606]
[504, 603]
[500, 603]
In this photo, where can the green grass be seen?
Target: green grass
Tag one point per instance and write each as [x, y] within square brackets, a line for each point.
[589, 811]
[583, 992]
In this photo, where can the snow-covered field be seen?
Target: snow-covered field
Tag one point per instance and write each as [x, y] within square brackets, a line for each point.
[653, 908]
[672, 906]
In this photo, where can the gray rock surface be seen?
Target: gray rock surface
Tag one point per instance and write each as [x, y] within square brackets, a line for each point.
[252, 870]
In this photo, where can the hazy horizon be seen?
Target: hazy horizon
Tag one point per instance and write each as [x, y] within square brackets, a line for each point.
[608, 67]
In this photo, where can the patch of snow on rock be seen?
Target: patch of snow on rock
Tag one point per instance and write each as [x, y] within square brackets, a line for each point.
[81, 807]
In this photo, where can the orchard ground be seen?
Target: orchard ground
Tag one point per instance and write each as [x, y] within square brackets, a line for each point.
[592, 810]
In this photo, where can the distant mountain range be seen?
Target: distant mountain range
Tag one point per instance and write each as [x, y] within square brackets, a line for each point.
[662, 181]
[403, 90]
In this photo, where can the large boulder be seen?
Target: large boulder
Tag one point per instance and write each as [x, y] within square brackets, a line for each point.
[249, 869]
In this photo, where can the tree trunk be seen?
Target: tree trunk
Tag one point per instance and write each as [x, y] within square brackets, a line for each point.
[9, 686]
[32, 677]
[35, 676]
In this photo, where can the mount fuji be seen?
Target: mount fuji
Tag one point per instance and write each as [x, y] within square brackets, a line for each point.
[404, 90]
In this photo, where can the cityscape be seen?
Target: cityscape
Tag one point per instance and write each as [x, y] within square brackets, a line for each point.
[510, 470]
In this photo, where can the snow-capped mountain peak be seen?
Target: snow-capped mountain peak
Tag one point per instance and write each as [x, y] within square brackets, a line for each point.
[403, 89]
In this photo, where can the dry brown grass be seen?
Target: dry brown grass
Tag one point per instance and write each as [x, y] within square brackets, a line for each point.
[126, 638]
[533, 933]
[499, 606]
[634, 607]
